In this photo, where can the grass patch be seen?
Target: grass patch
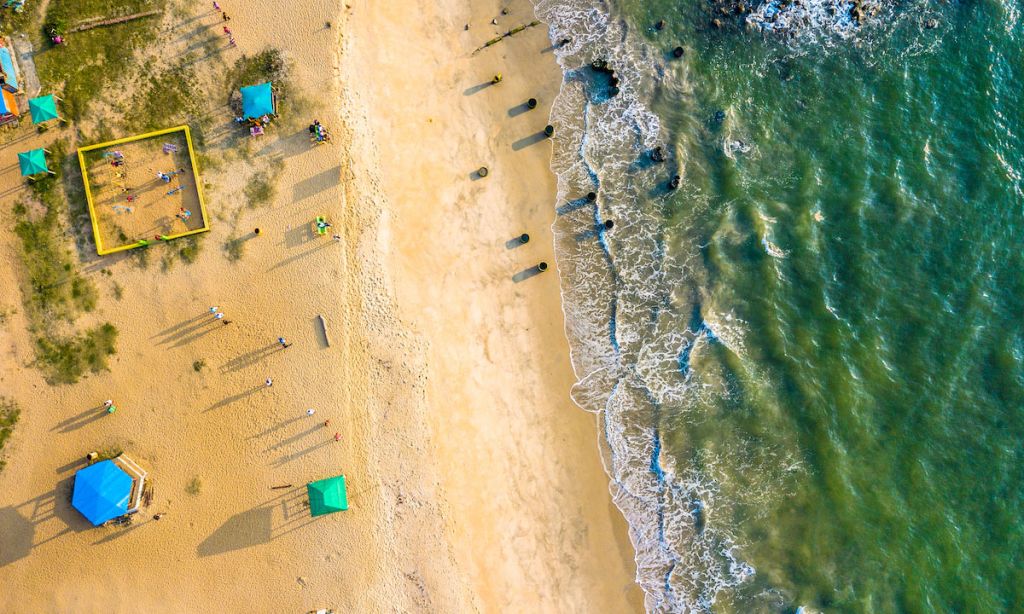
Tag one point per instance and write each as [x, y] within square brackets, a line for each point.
[118, 290]
[267, 65]
[54, 290]
[9, 414]
[171, 97]
[186, 249]
[260, 190]
[86, 65]
[199, 365]
[194, 486]
[66, 359]
[109, 453]
[234, 249]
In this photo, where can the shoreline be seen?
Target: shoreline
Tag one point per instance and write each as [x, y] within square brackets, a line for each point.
[474, 482]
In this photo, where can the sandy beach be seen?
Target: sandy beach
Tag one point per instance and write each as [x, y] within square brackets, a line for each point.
[474, 483]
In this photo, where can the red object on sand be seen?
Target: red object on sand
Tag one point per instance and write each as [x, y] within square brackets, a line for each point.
[337, 437]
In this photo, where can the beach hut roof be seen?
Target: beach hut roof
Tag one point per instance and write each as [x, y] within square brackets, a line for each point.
[43, 108]
[257, 100]
[8, 105]
[33, 162]
[7, 66]
[102, 492]
[327, 496]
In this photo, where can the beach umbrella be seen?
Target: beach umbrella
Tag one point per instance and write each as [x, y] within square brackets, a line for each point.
[43, 108]
[33, 162]
[102, 492]
[257, 100]
[327, 496]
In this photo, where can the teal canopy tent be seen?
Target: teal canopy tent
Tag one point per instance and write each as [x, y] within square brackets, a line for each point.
[43, 108]
[257, 100]
[327, 496]
[33, 162]
[102, 492]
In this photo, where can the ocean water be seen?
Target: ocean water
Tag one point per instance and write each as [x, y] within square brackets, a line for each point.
[809, 357]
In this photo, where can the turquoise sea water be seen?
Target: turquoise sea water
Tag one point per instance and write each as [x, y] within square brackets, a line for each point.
[810, 357]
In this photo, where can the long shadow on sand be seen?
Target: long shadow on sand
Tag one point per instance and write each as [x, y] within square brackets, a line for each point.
[233, 398]
[249, 358]
[259, 525]
[79, 420]
[526, 141]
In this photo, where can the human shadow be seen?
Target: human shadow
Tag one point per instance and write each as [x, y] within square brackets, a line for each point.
[287, 458]
[296, 437]
[469, 91]
[81, 419]
[249, 358]
[184, 329]
[233, 398]
[527, 274]
[526, 141]
[276, 427]
[202, 331]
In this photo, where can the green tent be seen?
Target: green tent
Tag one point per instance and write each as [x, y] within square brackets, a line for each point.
[327, 496]
[33, 162]
[43, 108]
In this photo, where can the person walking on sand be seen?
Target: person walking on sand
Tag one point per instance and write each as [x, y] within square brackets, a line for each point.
[227, 30]
[284, 344]
[270, 382]
[225, 16]
[216, 7]
[310, 411]
[214, 309]
[108, 403]
[337, 437]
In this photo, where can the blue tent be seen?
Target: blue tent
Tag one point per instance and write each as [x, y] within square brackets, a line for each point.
[102, 492]
[257, 100]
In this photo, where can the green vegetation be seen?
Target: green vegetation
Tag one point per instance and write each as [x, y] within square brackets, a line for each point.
[54, 290]
[75, 64]
[260, 190]
[185, 248]
[267, 65]
[198, 365]
[234, 248]
[118, 290]
[9, 414]
[170, 97]
[195, 486]
[109, 452]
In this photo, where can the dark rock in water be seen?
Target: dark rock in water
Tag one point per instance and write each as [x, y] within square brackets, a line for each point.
[677, 52]
[674, 182]
[931, 24]
[613, 91]
[599, 64]
[614, 81]
[716, 23]
[658, 155]
[719, 117]
[660, 25]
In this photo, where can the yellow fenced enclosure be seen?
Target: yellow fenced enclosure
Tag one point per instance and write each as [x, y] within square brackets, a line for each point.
[143, 189]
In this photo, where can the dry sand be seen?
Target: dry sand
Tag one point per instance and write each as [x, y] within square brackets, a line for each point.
[474, 484]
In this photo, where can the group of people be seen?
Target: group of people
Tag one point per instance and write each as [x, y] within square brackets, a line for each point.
[317, 133]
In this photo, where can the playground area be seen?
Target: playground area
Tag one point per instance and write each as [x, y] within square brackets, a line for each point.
[142, 189]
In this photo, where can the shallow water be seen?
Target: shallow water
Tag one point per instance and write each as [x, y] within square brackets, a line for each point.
[809, 356]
